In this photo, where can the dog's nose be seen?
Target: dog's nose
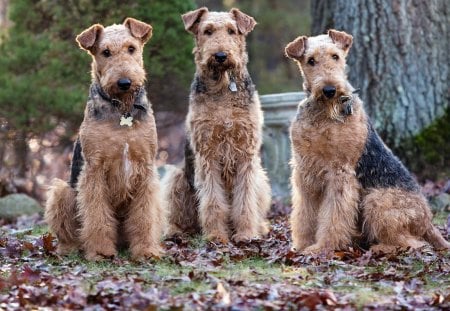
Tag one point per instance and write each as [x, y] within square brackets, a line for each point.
[329, 91]
[220, 56]
[124, 84]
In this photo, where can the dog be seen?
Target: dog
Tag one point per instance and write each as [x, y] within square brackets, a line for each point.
[113, 197]
[222, 188]
[347, 184]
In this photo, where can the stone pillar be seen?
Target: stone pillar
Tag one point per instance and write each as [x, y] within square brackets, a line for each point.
[279, 111]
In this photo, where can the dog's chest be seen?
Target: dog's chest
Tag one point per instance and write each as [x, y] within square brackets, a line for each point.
[225, 133]
[328, 141]
[122, 151]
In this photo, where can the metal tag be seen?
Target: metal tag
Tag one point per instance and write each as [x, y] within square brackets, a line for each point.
[232, 86]
[348, 110]
[128, 121]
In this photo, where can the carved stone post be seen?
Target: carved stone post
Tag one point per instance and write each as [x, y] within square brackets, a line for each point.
[279, 110]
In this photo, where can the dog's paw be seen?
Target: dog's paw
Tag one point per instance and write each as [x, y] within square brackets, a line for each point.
[315, 249]
[100, 255]
[264, 228]
[385, 249]
[105, 251]
[243, 237]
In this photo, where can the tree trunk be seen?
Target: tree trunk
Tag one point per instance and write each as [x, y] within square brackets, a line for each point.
[21, 155]
[399, 59]
[4, 22]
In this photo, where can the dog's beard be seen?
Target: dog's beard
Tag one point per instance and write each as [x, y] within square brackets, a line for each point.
[115, 92]
[333, 107]
[217, 69]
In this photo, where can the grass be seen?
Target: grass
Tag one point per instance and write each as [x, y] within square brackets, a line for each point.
[440, 218]
[359, 284]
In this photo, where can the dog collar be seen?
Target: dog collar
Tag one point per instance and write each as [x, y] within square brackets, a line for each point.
[347, 102]
[116, 102]
[232, 86]
[126, 119]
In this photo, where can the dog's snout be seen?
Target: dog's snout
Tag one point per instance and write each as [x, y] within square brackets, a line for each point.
[220, 57]
[124, 84]
[329, 91]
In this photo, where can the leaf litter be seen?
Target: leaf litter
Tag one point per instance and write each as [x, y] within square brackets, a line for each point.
[195, 274]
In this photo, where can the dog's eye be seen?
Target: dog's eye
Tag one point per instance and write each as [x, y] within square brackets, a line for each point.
[311, 61]
[106, 53]
[131, 49]
[208, 32]
[335, 57]
[231, 31]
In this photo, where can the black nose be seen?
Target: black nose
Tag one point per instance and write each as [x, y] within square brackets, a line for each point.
[329, 91]
[220, 56]
[124, 84]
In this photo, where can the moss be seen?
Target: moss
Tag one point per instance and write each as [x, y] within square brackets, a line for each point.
[440, 218]
[428, 153]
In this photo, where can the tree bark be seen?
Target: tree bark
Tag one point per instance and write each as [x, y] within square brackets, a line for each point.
[399, 59]
[21, 155]
[4, 22]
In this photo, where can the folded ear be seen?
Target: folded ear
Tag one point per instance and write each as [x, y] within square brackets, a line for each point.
[138, 29]
[341, 39]
[87, 39]
[191, 19]
[296, 48]
[245, 23]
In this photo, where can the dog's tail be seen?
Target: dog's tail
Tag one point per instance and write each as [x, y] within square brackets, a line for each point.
[61, 215]
[182, 201]
[435, 238]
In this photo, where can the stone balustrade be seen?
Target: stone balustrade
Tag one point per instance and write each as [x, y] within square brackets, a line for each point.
[279, 111]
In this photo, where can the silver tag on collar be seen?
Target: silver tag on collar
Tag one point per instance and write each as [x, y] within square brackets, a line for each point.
[232, 86]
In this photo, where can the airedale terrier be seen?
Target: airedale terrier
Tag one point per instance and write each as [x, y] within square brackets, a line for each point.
[347, 184]
[113, 196]
[222, 188]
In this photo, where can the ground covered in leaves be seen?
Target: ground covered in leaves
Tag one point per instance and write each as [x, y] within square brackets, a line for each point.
[196, 274]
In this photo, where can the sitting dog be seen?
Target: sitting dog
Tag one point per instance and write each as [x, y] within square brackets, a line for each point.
[113, 195]
[345, 181]
[222, 189]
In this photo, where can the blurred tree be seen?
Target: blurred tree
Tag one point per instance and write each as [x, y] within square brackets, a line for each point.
[44, 76]
[279, 22]
[399, 60]
[4, 21]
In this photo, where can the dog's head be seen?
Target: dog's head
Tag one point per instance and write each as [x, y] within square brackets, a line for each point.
[321, 60]
[220, 38]
[117, 55]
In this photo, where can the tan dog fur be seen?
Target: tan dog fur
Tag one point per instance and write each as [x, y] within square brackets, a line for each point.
[331, 205]
[116, 198]
[229, 188]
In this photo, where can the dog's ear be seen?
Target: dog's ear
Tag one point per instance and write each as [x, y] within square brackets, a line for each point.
[86, 40]
[342, 39]
[245, 23]
[296, 48]
[192, 19]
[138, 29]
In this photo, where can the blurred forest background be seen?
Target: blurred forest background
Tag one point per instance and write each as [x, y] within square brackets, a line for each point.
[400, 61]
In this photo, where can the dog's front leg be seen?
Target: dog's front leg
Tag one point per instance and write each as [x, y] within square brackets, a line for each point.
[98, 223]
[245, 214]
[146, 219]
[213, 206]
[305, 207]
[337, 217]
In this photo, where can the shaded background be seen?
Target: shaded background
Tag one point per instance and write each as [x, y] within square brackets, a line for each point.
[399, 60]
